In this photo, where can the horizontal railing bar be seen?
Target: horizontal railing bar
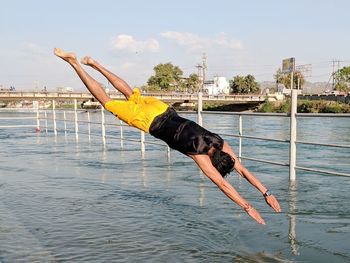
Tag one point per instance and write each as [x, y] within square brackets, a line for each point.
[156, 143]
[262, 114]
[324, 144]
[115, 137]
[17, 118]
[17, 126]
[326, 115]
[68, 110]
[135, 140]
[247, 113]
[321, 171]
[83, 121]
[118, 125]
[264, 161]
[254, 137]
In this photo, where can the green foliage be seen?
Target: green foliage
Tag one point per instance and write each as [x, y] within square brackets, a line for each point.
[246, 84]
[166, 77]
[331, 108]
[284, 107]
[283, 78]
[192, 83]
[342, 78]
[267, 107]
[306, 106]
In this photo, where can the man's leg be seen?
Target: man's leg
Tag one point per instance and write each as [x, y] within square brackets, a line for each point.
[116, 81]
[92, 85]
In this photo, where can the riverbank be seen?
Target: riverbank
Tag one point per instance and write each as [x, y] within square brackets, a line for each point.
[305, 106]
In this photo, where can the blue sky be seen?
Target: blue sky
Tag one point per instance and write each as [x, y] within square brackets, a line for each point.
[131, 37]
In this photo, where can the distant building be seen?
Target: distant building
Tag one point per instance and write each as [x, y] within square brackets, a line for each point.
[219, 85]
[65, 89]
[283, 90]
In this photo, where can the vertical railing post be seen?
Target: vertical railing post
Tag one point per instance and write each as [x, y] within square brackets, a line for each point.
[45, 116]
[89, 126]
[200, 108]
[168, 153]
[54, 117]
[240, 132]
[76, 120]
[65, 123]
[121, 135]
[37, 117]
[103, 126]
[293, 135]
[142, 142]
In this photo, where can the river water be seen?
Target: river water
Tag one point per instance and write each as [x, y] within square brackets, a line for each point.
[69, 200]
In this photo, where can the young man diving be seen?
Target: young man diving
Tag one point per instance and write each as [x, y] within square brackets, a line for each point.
[210, 152]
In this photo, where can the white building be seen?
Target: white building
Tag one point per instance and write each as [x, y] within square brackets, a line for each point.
[65, 89]
[219, 85]
[283, 90]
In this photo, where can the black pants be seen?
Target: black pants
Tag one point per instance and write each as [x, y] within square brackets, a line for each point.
[184, 135]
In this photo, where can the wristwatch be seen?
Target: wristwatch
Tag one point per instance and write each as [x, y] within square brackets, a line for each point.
[267, 193]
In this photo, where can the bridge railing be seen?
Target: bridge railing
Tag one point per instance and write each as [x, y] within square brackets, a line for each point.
[163, 96]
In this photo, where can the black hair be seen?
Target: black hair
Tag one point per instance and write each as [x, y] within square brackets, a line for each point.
[223, 162]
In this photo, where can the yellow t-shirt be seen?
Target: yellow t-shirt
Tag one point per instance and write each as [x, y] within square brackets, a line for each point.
[137, 111]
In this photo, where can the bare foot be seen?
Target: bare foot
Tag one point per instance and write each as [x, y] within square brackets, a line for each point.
[87, 61]
[69, 57]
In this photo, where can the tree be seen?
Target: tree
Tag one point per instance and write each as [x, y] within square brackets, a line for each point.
[284, 78]
[192, 83]
[241, 84]
[342, 78]
[166, 77]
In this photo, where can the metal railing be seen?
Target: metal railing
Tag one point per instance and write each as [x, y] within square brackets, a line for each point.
[240, 137]
[18, 125]
[292, 141]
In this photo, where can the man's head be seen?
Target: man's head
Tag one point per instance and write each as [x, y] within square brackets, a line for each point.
[222, 161]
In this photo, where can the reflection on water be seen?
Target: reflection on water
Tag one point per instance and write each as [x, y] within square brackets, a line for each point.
[63, 200]
[292, 217]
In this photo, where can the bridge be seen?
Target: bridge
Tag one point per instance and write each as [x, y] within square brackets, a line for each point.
[167, 97]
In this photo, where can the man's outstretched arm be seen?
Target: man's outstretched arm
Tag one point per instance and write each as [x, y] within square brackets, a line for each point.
[243, 171]
[204, 163]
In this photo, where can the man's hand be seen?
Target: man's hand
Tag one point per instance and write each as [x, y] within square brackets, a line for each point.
[272, 201]
[254, 214]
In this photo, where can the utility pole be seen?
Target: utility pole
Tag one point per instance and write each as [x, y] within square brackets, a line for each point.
[333, 74]
[204, 68]
[335, 63]
[202, 71]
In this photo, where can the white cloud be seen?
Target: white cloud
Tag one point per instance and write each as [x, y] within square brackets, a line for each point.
[128, 65]
[225, 41]
[189, 40]
[32, 48]
[128, 43]
[197, 43]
